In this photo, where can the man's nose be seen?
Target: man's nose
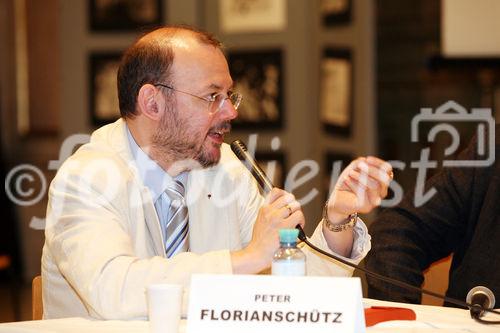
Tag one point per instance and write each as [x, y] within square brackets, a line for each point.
[228, 110]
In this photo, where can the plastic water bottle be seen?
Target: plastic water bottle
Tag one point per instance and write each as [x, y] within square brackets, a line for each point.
[289, 259]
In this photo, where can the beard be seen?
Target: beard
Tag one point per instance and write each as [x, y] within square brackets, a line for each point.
[177, 142]
[204, 157]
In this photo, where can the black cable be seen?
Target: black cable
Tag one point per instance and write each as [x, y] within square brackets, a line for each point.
[240, 150]
[302, 236]
[487, 322]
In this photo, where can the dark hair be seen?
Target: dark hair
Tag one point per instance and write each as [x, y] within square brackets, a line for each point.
[149, 60]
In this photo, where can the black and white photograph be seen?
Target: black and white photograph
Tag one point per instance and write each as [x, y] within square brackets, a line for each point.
[336, 100]
[125, 15]
[258, 76]
[247, 16]
[103, 93]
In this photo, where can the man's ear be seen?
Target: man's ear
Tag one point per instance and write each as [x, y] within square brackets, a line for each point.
[147, 102]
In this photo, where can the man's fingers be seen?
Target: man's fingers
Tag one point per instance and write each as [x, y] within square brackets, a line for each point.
[282, 210]
[378, 173]
[362, 185]
[374, 198]
[285, 199]
[359, 190]
[384, 166]
[274, 195]
[365, 179]
[366, 189]
[382, 174]
[379, 163]
[296, 218]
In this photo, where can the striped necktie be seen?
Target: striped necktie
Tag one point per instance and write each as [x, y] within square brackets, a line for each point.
[177, 227]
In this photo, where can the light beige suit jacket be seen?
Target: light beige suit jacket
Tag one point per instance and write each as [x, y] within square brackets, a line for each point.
[103, 240]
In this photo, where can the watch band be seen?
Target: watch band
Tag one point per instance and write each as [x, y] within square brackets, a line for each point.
[348, 223]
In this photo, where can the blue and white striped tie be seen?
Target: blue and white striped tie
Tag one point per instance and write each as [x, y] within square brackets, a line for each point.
[177, 233]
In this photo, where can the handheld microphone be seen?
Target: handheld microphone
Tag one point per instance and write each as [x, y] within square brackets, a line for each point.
[240, 150]
[481, 298]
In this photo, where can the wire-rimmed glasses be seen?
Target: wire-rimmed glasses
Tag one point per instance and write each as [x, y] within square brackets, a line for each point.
[215, 101]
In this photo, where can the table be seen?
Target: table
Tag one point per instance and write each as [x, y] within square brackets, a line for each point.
[429, 319]
[433, 319]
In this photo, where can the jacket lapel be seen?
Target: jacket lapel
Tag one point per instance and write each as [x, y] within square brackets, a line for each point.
[152, 223]
[119, 143]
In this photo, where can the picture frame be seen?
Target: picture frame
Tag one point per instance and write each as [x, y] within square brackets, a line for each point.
[258, 76]
[335, 163]
[103, 93]
[336, 91]
[124, 15]
[274, 166]
[336, 12]
[243, 16]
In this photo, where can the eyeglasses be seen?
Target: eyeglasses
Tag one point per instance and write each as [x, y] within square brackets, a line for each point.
[215, 100]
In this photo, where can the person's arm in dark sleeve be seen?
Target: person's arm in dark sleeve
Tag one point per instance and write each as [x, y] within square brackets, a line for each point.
[406, 239]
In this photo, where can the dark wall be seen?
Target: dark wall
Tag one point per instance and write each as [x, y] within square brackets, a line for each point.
[412, 75]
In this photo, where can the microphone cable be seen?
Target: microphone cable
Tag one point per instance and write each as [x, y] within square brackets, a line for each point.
[302, 236]
[240, 150]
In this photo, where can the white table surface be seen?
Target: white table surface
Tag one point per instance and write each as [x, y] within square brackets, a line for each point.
[429, 319]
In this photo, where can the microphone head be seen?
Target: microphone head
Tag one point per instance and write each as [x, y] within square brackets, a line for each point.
[480, 297]
[239, 148]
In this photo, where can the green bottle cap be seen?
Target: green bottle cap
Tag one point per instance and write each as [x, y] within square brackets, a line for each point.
[288, 235]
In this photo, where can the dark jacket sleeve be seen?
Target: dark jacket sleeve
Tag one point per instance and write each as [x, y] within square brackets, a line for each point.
[406, 239]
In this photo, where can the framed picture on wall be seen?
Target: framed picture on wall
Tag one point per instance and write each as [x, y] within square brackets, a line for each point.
[258, 76]
[274, 166]
[125, 15]
[335, 163]
[241, 16]
[336, 91]
[336, 12]
[103, 99]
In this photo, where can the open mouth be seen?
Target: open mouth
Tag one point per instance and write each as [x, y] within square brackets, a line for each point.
[217, 136]
[217, 133]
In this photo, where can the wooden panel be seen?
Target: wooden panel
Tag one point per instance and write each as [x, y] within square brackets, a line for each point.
[43, 65]
[36, 295]
[436, 279]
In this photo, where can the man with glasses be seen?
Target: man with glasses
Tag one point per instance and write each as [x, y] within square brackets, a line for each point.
[157, 195]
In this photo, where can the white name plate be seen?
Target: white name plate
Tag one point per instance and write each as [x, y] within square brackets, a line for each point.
[266, 303]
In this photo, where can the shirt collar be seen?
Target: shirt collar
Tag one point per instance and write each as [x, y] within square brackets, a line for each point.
[152, 175]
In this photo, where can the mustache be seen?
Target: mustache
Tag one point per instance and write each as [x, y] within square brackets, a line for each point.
[225, 126]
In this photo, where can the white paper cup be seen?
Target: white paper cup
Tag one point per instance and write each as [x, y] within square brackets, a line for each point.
[164, 307]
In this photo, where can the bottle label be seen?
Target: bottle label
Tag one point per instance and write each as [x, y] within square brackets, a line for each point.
[289, 268]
